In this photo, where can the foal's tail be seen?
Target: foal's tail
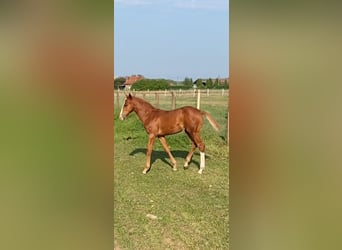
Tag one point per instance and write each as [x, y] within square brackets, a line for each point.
[211, 120]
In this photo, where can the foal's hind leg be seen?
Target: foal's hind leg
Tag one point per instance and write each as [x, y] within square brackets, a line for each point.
[167, 150]
[192, 150]
[201, 147]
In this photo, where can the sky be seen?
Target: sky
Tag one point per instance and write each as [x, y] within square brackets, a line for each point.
[171, 39]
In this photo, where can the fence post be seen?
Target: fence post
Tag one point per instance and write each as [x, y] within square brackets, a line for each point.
[207, 92]
[198, 98]
[157, 99]
[117, 99]
[228, 128]
[173, 102]
[222, 92]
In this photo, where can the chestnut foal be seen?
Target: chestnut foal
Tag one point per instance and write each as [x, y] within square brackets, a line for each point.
[159, 123]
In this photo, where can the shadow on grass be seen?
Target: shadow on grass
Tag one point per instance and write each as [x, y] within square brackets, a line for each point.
[224, 138]
[162, 155]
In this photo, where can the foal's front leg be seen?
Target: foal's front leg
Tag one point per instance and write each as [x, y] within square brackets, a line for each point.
[151, 139]
[167, 150]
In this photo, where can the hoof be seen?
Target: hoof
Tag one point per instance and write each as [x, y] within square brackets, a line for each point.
[144, 171]
[174, 166]
[200, 171]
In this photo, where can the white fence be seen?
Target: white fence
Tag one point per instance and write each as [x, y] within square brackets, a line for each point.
[196, 93]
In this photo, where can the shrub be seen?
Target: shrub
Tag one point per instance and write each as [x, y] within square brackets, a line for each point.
[151, 84]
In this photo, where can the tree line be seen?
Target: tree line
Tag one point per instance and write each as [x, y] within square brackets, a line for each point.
[162, 84]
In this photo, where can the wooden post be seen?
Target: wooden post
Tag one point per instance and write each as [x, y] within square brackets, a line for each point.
[157, 99]
[207, 92]
[173, 102]
[227, 120]
[228, 129]
[117, 98]
[198, 98]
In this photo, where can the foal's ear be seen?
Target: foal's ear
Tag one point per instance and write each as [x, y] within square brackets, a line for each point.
[129, 96]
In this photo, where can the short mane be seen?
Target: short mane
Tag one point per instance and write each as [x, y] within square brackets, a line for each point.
[143, 102]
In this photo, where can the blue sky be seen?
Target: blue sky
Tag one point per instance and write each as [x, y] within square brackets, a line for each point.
[171, 39]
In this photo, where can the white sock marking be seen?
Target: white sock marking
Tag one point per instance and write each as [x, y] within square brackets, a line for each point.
[202, 163]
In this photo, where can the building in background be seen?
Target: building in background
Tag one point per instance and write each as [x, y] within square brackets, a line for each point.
[130, 80]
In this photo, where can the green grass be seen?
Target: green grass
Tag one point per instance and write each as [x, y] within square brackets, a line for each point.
[191, 209]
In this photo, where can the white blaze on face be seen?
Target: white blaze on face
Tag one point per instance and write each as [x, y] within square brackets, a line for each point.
[121, 117]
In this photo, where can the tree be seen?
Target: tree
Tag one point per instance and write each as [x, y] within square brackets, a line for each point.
[199, 83]
[217, 83]
[151, 84]
[226, 84]
[210, 83]
[119, 81]
[188, 82]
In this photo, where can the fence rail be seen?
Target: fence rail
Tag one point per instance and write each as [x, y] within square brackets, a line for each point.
[208, 92]
[196, 93]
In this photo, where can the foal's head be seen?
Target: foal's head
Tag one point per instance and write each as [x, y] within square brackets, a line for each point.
[127, 107]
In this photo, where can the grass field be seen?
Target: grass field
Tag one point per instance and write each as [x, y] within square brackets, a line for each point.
[191, 210]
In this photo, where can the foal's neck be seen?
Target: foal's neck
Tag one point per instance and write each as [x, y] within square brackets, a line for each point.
[143, 109]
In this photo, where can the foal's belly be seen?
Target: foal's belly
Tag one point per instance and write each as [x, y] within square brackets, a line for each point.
[166, 123]
[170, 129]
